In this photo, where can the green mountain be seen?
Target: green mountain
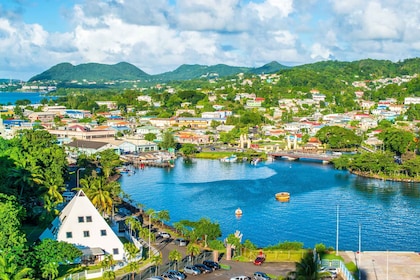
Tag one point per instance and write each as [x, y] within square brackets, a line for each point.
[66, 72]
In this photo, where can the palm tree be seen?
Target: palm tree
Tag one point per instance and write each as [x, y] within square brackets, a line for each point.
[156, 260]
[101, 192]
[307, 268]
[176, 256]
[132, 252]
[163, 216]
[193, 250]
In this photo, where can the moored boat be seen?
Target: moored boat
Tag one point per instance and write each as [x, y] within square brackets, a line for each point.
[283, 196]
[232, 158]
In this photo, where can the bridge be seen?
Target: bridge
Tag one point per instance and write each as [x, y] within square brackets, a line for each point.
[294, 155]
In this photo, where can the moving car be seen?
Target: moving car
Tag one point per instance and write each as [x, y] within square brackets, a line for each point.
[259, 260]
[213, 265]
[261, 276]
[190, 269]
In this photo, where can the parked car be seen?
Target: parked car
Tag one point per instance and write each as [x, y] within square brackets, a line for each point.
[180, 242]
[190, 269]
[164, 234]
[328, 271]
[167, 276]
[242, 277]
[261, 276]
[203, 268]
[155, 278]
[213, 265]
[178, 274]
[259, 260]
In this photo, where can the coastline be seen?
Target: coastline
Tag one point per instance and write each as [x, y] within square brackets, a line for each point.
[378, 177]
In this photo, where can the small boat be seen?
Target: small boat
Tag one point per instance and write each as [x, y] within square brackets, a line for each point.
[238, 212]
[283, 196]
[255, 161]
[232, 158]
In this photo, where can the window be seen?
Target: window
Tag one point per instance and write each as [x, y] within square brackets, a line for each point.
[69, 234]
[81, 219]
[86, 233]
[88, 219]
[115, 251]
[103, 232]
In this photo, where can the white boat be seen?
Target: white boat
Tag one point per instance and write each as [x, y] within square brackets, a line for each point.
[232, 158]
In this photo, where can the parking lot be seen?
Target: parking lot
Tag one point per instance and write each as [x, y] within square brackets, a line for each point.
[247, 269]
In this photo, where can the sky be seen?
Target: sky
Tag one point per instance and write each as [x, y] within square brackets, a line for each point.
[160, 35]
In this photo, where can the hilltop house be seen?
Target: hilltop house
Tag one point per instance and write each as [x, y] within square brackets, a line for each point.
[79, 223]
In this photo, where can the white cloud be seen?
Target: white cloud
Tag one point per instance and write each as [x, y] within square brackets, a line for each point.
[160, 35]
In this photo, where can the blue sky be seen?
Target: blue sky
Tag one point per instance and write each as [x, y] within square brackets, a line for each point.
[160, 35]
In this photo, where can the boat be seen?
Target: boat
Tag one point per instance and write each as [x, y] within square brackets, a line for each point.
[232, 158]
[283, 196]
[255, 161]
[238, 212]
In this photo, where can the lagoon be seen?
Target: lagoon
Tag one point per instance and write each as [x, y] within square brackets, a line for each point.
[387, 212]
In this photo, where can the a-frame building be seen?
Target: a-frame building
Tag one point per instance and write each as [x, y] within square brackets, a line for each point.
[81, 224]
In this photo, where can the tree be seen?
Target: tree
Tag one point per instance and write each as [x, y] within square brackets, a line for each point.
[9, 269]
[51, 251]
[193, 250]
[175, 256]
[103, 193]
[163, 216]
[50, 270]
[150, 137]
[109, 160]
[132, 252]
[156, 260]
[397, 140]
[12, 239]
[338, 137]
[188, 149]
[307, 268]
[167, 141]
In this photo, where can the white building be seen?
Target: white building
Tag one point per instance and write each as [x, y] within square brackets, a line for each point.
[81, 224]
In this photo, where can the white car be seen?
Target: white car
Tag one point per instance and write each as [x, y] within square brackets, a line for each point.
[190, 269]
[164, 234]
[242, 277]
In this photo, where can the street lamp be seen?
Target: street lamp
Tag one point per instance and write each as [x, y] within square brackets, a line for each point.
[150, 224]
[337, 229]
[77, 175]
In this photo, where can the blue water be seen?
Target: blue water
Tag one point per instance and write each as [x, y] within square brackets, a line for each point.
[388, 212]
[12, 97]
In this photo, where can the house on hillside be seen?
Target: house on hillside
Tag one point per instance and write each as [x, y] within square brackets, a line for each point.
[79, 223]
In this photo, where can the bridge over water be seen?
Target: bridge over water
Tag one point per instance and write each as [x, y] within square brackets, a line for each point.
[294, 155]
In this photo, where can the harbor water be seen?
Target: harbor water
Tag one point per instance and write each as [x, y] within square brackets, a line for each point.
[385, 215]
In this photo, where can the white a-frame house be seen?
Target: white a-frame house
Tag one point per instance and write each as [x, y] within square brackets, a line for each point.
[81, 224]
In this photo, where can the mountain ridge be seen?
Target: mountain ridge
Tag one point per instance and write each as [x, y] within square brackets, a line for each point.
[67, 72]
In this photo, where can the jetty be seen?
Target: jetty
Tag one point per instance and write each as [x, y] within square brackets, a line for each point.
[156, 159]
